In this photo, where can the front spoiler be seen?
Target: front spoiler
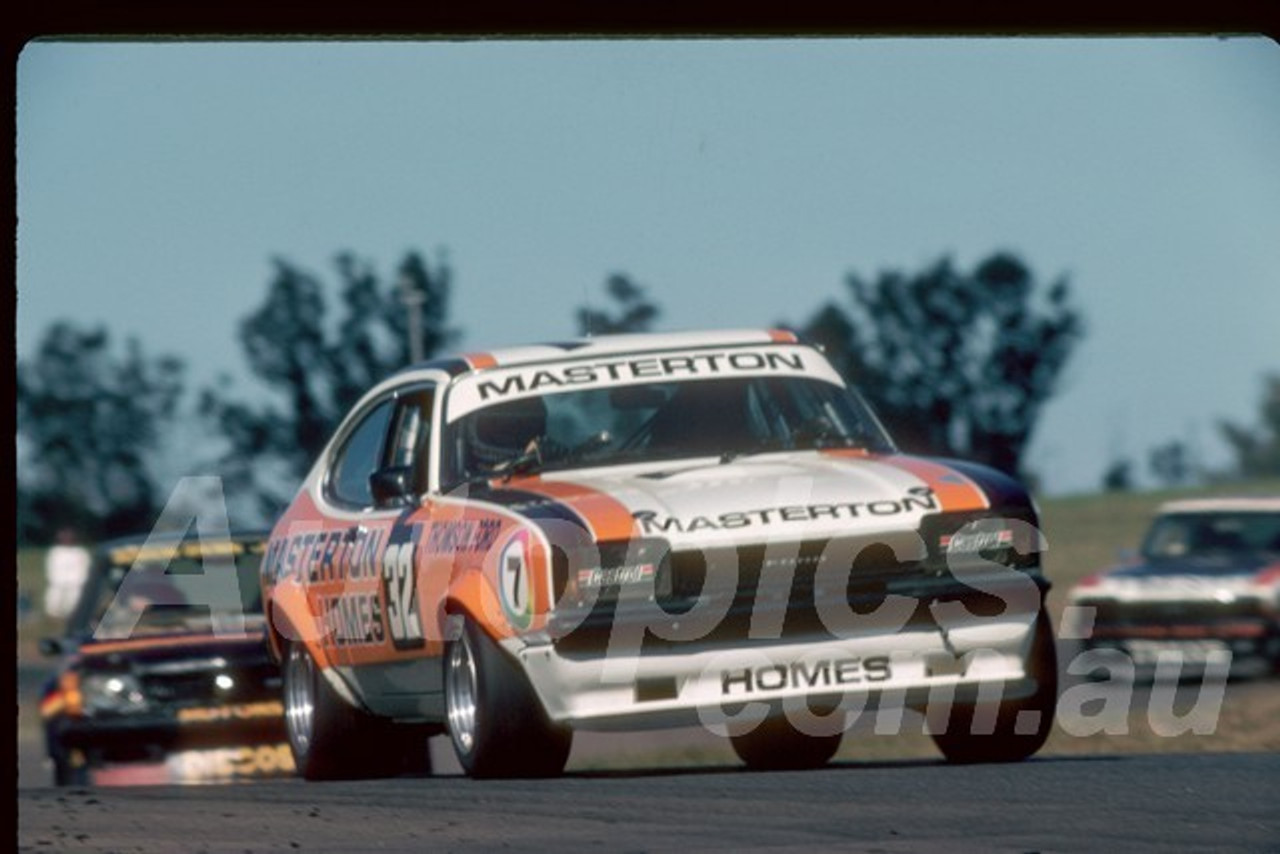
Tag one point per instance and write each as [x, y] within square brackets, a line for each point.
[165, 732]
[710, 684]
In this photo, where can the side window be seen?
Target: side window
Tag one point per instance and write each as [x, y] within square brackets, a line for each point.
[411, 435]
[359, 456]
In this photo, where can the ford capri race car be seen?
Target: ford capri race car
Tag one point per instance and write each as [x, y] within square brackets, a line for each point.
[151, 687]
[647, 531]
[1204, 590]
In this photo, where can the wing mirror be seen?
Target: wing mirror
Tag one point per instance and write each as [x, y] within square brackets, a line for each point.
[392, 485]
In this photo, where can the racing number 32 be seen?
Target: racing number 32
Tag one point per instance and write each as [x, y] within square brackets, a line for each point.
[400, 588]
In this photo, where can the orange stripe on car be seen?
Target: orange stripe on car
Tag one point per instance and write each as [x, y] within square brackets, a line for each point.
[782, 336]
[473, 594]
[479, 361]
[130, 644]
[846, 453]
[607, 517]
[954, 490]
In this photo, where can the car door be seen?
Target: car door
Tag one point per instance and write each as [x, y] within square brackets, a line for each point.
[377, 508]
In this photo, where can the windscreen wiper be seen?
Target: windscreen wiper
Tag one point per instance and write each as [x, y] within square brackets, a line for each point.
[528, 461]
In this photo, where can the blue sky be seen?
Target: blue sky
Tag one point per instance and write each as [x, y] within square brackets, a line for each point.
[738, 180]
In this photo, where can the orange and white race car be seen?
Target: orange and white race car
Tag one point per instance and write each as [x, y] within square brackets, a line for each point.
[646, 531]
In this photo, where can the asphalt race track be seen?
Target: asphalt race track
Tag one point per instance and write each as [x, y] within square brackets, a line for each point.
[1185, 802]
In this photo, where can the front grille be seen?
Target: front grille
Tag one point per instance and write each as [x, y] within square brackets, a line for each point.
[1164, 613]
[776, 592]
[782, 590]
[793, 572]
[196, 687]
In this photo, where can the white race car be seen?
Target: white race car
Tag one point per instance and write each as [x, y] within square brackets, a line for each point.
[647, 531]
[1204, 590]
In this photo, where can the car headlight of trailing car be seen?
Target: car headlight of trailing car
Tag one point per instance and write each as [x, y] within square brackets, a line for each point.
[112, 693]
[1266, 588]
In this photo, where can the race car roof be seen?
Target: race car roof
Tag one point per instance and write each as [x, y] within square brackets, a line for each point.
[163, 545]
[607, 345]
[1243, 504]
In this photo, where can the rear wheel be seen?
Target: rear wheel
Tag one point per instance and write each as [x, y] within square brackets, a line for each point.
[1021, 727]
[496, 723]
[330, 738]
[775, 744]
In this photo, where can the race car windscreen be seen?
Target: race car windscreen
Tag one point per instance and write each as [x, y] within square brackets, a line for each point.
[166, 595]
[659, 421]
[1208, 534]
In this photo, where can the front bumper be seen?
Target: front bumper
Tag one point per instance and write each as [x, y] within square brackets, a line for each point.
[1198, 634]
[711, 683]
[148, 733]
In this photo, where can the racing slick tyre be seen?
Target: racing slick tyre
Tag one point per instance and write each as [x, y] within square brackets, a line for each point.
[1015, 735]
[497, 725]
[331, 739]
[776, 745]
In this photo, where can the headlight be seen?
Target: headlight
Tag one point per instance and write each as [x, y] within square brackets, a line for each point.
[1266, 587]
[619, 570]
[1006, 537]
[118, 693]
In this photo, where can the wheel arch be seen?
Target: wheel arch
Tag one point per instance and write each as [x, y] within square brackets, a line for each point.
[471, 595]
[290, 620]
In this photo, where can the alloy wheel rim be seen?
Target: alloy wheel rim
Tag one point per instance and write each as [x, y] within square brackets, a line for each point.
[461, 695]
[300, 699]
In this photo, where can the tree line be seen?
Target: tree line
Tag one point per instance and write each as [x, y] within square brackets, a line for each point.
[957, 362]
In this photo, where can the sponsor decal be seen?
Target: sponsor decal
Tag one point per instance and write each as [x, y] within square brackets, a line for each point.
[229, 763]
[916, 499]
[513, 576]
[238, 712]
[697, 364]
[125, 555]
[497, 385]
[463, 535]
[352, 619]
[824, 673]
[972, 542]
[323, 556]
[400, 587]
[613, 576]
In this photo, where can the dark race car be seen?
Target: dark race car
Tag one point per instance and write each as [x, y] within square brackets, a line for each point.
[1204, 591]
[165, 675]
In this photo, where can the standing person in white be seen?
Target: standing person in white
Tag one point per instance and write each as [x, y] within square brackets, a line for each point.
[66, 569]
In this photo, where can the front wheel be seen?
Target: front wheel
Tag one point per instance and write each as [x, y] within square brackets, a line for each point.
[776, 745]
[1021, 727]
[497, 725]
